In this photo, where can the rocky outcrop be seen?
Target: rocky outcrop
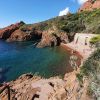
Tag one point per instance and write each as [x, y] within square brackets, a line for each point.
[29, 87]
[15, 33]
[26, 35]
[23, 32]
[47, 40]
[18, 35]
[5, 33]
[90, 5]
[53, 38]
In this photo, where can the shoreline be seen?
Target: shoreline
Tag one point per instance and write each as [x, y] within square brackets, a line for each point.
[35, 85]
[69, 49]
[77, 53]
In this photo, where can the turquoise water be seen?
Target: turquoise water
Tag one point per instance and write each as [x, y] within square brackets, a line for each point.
[22, 57]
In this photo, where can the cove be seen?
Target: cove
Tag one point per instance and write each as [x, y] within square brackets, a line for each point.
[18, 58]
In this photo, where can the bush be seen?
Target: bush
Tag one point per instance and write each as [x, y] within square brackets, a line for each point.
[80, 78]
[91, 69]
[95, 39]
[87, 21]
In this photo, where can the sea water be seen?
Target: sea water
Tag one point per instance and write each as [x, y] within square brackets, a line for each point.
[18, 58]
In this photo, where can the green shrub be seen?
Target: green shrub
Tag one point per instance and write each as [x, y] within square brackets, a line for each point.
[80, 78]
[89, 91]
[87, 21]
[24, 27]
[95, 39]
[91, 69]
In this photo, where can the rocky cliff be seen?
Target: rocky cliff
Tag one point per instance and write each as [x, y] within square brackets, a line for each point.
[56, 30]
[29, 87]
[15, 33]
[53, 37]
[7, 31]
[23, 32]
[90, 5]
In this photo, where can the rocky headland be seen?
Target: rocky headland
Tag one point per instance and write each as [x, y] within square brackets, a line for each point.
[43, 38]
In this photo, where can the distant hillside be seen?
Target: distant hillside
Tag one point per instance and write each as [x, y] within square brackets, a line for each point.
[87, 21]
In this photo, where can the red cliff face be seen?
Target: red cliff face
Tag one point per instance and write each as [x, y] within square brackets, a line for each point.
[96, 4]
[23, 32]
[6, 32]
[90, 5]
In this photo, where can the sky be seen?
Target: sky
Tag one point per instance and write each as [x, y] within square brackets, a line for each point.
[33, 11]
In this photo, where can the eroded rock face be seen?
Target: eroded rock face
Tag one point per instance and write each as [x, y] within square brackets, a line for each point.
[5, 33]
[47, 40]
[29, 87]
[14, 33]
[29, 35]
[90, 5]
[51, 37]
[18, 35]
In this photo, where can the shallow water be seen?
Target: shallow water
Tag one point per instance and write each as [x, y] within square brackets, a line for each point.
[22, 57]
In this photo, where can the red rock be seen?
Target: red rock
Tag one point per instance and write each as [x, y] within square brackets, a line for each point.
[18, 35]
[90, 5]
[7, 31]
[96, 4]
[50, 39]
[15, 32]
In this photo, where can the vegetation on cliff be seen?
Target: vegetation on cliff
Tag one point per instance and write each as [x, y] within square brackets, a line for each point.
[95, 40]
[87, 21]
[91, 69]
[58, 27]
